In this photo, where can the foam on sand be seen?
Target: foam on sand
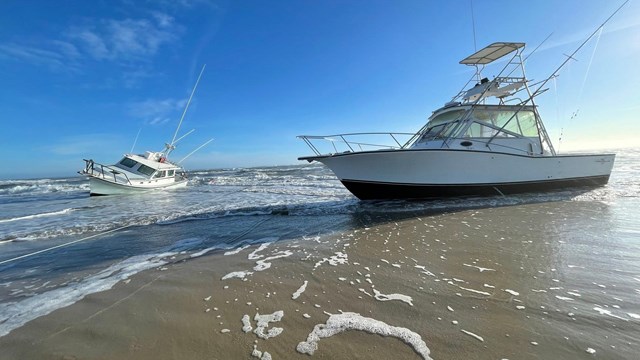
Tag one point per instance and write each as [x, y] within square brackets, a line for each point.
[237, 274]
[481, 269]
[265, 243]
[337, 259]
[512, 292]
[338, 323]
[262, 321]
[300, 290]
[237, 250]
[15, 314]
[477, 337]
[383, 297]
[259, 354]
[246, 323]
[265, 263]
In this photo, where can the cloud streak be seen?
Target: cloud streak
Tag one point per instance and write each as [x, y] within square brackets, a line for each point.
[108, 40]
[156, 112]
[128, 39]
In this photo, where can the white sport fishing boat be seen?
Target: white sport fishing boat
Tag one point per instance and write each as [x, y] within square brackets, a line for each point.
[137, 173]
[485, 141]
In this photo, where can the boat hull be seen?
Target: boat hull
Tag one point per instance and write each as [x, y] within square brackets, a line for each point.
[99, 186]
[429, 173]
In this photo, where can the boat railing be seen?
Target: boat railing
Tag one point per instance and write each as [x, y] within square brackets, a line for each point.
[105, 172]
[355, 142]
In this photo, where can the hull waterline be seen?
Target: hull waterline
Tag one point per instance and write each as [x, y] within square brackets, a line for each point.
[100, 187]
[449, 173]
[379, 191]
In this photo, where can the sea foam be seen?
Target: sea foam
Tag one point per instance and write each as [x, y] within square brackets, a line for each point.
[338, 323]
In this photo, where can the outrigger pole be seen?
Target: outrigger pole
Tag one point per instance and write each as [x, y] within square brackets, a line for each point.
[199, 147]
[538, 90]
[186, 107]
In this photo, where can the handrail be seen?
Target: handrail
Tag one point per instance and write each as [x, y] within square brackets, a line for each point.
[351, 144]
[92, 171]
[350, 134]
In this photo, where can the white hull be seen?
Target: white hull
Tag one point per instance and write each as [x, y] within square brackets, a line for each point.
[99, 186]
[435, 173]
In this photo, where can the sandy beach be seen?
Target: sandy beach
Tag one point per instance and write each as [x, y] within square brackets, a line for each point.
[468, 283]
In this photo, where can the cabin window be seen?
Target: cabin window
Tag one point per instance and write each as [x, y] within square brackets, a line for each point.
[160, 174]
[439, 131]
[171, 172]
[487, 123]
[128, 162]
[144, 169]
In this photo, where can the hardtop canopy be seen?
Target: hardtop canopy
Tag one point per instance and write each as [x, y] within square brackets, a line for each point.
[491, 53]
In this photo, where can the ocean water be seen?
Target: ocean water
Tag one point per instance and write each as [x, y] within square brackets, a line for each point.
[58, 245]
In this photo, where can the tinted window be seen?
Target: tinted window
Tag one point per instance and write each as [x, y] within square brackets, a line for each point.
[144, 169]
[128, 162]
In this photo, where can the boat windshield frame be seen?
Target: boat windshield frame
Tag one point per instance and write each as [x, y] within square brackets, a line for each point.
[519, 122]
[440, 125]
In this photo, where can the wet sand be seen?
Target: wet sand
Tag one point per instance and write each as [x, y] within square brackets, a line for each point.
[538, 281]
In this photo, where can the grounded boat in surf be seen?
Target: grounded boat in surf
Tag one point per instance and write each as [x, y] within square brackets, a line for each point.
[134, 173]
[485, 141]
[138, 173]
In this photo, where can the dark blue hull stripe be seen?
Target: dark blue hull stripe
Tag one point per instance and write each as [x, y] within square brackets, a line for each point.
[376, 190]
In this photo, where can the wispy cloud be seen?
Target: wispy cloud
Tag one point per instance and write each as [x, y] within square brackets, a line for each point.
[156, 112]
[56, 55]
[109, 40]
[126, 39]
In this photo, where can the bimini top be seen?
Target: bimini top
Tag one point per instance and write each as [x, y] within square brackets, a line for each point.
[491, 53]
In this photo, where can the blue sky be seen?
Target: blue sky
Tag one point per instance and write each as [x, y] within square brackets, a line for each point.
[81, 78]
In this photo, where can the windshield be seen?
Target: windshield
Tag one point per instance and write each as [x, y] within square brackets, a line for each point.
[488, 122]
[442, 125]
[128, 162]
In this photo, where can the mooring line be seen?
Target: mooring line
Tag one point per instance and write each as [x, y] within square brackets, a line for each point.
[62, 245]
[124, 227]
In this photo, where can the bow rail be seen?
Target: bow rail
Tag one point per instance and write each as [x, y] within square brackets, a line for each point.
[355, 142]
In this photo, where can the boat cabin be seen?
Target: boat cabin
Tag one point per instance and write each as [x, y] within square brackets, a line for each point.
[147, 166]
[507, 128]
[485, 115]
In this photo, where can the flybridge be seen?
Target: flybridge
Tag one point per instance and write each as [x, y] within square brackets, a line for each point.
[500, 87]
